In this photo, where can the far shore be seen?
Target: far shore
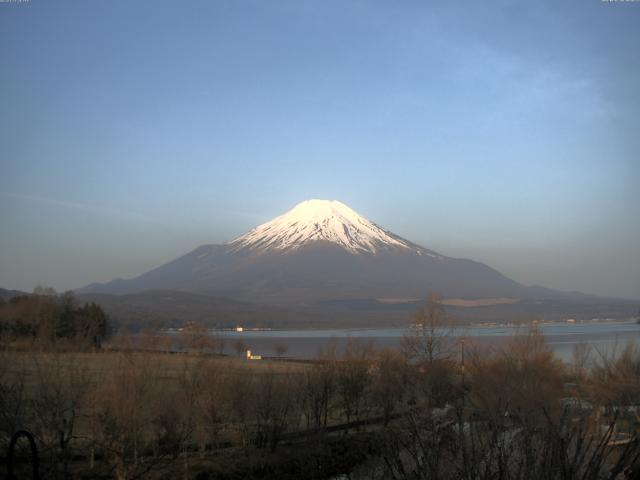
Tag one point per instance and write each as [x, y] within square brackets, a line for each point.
[562, 337]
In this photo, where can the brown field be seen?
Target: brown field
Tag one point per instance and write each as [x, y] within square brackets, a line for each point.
[481, 302]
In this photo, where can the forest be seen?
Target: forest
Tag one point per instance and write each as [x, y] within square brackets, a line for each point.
[44, 319]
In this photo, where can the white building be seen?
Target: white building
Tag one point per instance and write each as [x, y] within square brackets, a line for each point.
[253, 357]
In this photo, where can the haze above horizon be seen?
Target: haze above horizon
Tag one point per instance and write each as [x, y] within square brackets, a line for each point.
[133, 132]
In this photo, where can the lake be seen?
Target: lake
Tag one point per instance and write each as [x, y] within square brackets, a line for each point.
[562, 337]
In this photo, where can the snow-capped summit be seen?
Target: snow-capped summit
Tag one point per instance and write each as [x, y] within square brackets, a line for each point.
[320, 220]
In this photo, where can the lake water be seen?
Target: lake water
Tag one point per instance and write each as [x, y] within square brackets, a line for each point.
[562, 337]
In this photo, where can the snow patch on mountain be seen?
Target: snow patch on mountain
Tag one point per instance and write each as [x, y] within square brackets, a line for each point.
[321, 220]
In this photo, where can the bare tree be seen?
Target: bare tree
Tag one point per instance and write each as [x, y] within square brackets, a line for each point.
[213, 400]
[123, 340]
[60, 387]
[13, 413]
[182, 412]
[274, 407]
[524, 378]
[216, 343]
[580, 356]
[239, 347]
[153, 339]
[319, 390]
[353, 381]
[422, 445]
[241, 394]
[129, 402]
[431, 336]
[89, 407]
[615, 380]
[196, 338]
[390, 381]
[280, 349]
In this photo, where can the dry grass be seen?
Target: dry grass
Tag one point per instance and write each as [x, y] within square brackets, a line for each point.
[100, 363]
[480, 302]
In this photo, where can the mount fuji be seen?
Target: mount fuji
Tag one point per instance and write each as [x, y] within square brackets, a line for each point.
[319, 251]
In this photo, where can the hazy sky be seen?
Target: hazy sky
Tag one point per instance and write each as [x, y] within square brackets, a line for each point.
[507, 132]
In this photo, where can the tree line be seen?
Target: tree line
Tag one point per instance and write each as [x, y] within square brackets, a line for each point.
[45, 318]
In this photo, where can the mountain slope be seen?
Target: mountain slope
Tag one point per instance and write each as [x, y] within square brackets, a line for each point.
[318, 251]
[7, 295]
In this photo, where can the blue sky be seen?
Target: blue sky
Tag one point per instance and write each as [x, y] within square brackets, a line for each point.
[506, 132]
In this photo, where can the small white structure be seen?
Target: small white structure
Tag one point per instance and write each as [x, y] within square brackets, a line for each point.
[253, 357]
[239, 328]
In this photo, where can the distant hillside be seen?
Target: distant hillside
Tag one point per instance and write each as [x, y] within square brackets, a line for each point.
[173, 308]
[7, 295]
[170, 308]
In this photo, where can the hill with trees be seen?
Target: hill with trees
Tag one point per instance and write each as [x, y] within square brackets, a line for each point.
[45, 318]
